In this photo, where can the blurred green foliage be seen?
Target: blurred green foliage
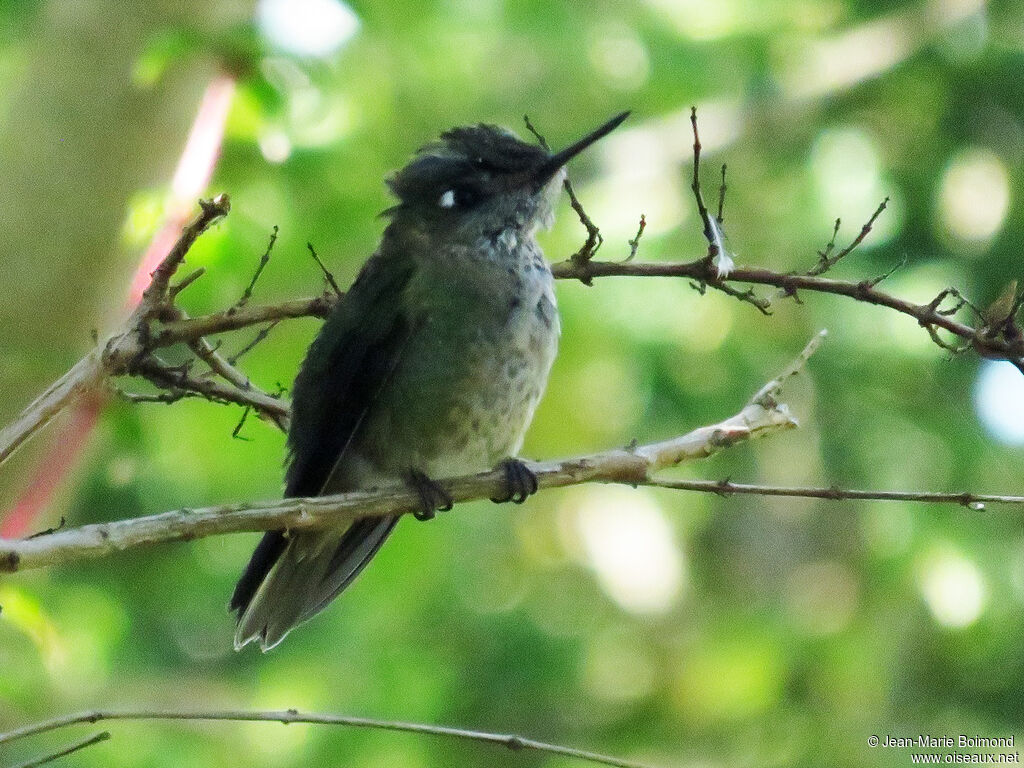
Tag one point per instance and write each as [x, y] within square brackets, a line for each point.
[670, 627]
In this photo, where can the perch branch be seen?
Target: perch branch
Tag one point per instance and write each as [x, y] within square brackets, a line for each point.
[634, 465]
[156, 323]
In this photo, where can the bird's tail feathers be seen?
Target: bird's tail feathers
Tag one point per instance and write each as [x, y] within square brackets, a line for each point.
[307, 572]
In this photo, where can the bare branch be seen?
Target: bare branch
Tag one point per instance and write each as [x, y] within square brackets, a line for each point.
[509, 741]
[236, 433]
[185, 282]
[267, 406]
[178, 331]
[256, 341]
[71, 748]
[120, 348]
[973, 501]
[702, 209]
[1001, 347]
[635, 465]
[995, 347]
[722, 187]
[219, 364]
[83, 377]
[121, 352]
[210, 211]
[830, 246]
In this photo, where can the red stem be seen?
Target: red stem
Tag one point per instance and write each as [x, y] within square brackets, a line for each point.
[192, 176]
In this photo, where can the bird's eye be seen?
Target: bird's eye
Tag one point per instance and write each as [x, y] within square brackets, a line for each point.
[466, 197]
[447, 199]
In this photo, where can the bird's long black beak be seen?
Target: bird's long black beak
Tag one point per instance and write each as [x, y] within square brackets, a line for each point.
[550, 166]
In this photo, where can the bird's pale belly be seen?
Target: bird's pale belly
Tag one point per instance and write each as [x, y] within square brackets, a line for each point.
[489, 425]
[461, 402]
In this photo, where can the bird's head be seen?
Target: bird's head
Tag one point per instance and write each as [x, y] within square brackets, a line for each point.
[484, 178]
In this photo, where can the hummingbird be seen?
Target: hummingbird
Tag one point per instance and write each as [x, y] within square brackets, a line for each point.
[430, 366]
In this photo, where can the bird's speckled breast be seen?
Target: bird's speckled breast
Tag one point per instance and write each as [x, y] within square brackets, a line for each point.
[476, 365]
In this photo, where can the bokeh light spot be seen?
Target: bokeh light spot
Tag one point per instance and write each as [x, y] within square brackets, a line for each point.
[999, 400]
[619, 55]
[953, 588]
[275, 146]
[631, 547]
[847, 171]
[975, 195]
[307, 27]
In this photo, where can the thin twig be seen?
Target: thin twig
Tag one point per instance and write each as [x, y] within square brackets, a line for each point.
[634, 244]
[210, 211]
[219, 364]
[718, 255]
[327, 273]
[702, 209]
[536, 134]
[265, 405]
[165, 396]
[594, 239]
[974, 501]
[71, 748]
[264, 260]
[185, 282]
[747, 296]
[256, 340]
[825, 259]
[236, 433]
[63, 522]
[873, 281]
[721, 198]
[225, 368]
[509, 741]
[823, 255]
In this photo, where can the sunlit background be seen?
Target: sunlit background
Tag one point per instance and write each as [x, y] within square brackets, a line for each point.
[661, 626]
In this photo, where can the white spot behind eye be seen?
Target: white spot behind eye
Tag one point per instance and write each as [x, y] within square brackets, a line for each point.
[447, 199]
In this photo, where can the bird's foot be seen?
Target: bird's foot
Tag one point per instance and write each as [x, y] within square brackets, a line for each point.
[520, 482]
[433, 498]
